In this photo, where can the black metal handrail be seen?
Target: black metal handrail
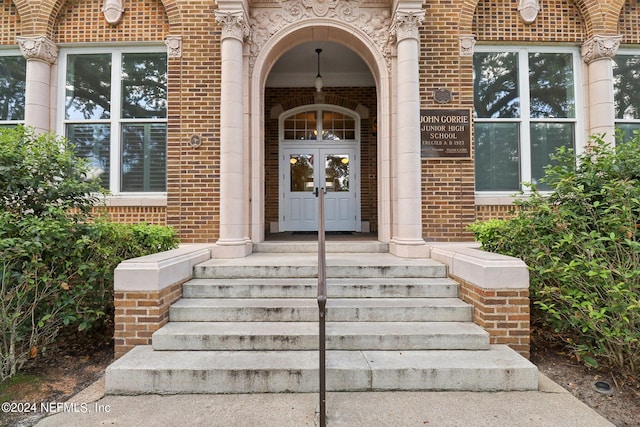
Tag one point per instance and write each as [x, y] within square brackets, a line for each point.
[322, 307]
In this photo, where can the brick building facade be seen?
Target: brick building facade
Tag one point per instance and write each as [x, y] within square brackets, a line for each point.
[183, 105]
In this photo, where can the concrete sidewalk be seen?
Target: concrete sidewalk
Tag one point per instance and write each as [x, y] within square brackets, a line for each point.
[551, 405]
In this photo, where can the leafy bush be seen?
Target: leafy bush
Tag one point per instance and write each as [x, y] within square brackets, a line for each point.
[56, 260]
[582, 245]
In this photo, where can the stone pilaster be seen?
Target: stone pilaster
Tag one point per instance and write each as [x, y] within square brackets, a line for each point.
[597, 53]
[407, 238]
[41, 53]
[234, 203]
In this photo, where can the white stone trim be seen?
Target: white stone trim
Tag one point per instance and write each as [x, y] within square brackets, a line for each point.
[485, 270]
[158, 271]
[39, 48]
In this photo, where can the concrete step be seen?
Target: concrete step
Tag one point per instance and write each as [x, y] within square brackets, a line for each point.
[307, 288]
[145, 371]
[349, 265]
[306, 310]
[347, 246]
[304, 336]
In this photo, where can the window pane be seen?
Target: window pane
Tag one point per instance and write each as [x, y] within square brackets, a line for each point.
[301, 172]
[144, 85]
[92, 142]
[495, 83]
[551, 85]
[626, 80]
[336, 172]
[546, 138]
[144, 151]
[497, 156]
[88, 91]
[301, 126]
[628, 130]
[12, 86]
[337, 126]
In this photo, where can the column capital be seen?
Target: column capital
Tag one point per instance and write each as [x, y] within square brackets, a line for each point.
[234, 24]
[600, 47]
[406, 24]
[39, 48]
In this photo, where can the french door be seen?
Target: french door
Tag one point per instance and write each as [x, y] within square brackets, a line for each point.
[303, 170]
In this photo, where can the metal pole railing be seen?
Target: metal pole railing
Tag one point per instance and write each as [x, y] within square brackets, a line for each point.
[322, 306]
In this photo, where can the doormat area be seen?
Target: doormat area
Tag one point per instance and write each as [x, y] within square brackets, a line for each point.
[328, 233]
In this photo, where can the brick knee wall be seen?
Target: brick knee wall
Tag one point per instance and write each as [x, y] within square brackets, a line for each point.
[503, 313]
[139, 314]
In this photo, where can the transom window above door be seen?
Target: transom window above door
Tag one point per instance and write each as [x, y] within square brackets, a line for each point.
[319, 125]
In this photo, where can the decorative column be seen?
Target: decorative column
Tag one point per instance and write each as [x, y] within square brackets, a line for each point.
[407, 238]
[597, 53]
[40, 53]
[233, 201]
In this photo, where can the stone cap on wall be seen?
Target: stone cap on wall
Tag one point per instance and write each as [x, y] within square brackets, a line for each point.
[158, 271]
[486, 270]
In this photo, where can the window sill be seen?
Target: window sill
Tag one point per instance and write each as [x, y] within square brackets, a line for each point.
[140, 200]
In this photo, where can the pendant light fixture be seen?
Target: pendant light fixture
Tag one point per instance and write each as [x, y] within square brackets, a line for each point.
[319, 83]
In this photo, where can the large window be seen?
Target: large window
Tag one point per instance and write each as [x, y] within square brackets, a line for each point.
[524, 109]
[13, 71]
[626, 86]
[115, 112]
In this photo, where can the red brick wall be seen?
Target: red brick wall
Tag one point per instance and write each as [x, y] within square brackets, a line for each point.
[9, 22]
[139, 314]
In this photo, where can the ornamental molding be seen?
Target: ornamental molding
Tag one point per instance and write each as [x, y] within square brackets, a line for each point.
[113, 11]
[174, 46]
[234, 24]
[467, 44]
[406, 24]
[600, 47]
[528, 10]
[266, 22]
[38, 48]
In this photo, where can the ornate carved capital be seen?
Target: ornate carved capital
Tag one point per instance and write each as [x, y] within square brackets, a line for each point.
[407, 24]
[466, 45]
[234, 25]
[174, 46]
[599, 47]
[39, 48]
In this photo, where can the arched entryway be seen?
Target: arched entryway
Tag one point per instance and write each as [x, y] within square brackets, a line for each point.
[353, 99]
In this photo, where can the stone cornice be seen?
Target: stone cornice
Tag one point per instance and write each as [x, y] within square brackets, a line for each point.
[600, 47]
[38, 48]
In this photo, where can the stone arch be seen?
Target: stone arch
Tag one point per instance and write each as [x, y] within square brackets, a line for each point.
[329, 99]
[316, 29]
[39, 17]
[599, 17]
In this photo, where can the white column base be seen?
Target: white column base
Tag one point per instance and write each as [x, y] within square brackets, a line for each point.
[417, 248]
[232, 248]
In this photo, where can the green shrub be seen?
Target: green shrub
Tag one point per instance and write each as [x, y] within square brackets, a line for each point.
[56, 260]
[582, 245]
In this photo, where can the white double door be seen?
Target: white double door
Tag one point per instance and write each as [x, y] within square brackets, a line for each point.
[303, 170]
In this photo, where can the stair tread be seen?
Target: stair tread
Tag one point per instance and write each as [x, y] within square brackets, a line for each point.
[144, 357]
[311, 328]
[144, 370]
[310, 302]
